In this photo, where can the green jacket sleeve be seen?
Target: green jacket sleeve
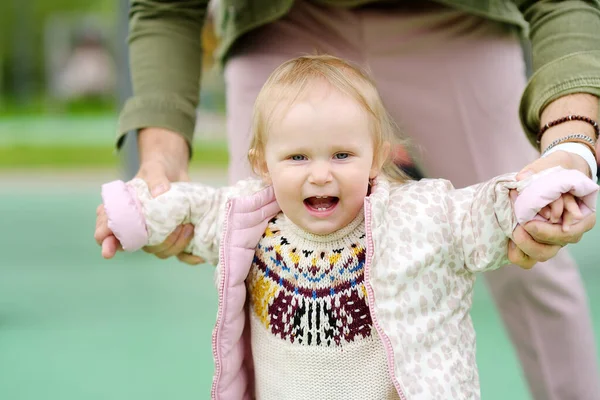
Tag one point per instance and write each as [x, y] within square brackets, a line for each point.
[565, 40]
[165, 56]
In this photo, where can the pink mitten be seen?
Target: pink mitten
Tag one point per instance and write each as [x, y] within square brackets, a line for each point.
[549, 187]
[125, 217]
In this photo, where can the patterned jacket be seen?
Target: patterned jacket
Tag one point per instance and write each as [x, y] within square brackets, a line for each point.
[425, 242]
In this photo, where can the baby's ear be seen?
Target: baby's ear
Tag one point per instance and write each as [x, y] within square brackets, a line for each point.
[259, 165]
[379, 158]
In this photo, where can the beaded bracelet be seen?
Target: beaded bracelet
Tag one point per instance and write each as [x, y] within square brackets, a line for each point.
[565, 119]
[574, 138]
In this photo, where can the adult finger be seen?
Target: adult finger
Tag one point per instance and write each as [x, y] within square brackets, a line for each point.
[184, 237]
[532, 248]
[572, 206]
[545, 212]
[518, 257]
[543, 232]
[571, 212]
[102, 230]
[556, 210]
[155, 176]
[190, 259]
[166, 245]
[110, 246]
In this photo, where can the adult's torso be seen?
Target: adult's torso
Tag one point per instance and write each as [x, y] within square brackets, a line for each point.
[234, 18]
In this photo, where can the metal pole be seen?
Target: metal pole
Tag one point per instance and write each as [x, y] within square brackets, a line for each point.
[129, 151]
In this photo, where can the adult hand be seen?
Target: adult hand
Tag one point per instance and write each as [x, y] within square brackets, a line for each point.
[163, 159]
[538, 241]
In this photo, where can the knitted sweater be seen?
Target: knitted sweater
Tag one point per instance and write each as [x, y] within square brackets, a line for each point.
[309, 312]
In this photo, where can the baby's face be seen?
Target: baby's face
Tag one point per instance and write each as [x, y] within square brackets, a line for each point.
[319, 157]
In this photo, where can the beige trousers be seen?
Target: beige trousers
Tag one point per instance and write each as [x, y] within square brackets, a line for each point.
[453, 84]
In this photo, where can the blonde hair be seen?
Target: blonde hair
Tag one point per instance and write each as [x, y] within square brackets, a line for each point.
[291, 79]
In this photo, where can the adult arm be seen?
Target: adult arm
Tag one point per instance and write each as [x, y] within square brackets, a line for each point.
[565, 39]
[565, 45]
[536, 238]
[165, 55]
[483, 217]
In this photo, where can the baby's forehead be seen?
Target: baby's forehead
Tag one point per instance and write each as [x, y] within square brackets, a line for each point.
[319, 110]
[314, 96]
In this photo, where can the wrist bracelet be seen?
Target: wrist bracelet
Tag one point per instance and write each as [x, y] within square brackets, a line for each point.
[574, 138]
[581, 150]
[566, 119]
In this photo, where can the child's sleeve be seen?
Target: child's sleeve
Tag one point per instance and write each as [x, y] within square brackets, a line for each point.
[483, 218]
[137, 219]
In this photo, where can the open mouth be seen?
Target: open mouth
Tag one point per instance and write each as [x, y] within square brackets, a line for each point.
[321, 203]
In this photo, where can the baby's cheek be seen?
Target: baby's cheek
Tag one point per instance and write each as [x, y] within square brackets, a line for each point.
[357, 195]
[360, 187]
[288, 200]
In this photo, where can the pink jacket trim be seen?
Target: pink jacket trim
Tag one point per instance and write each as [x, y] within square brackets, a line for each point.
[549, 187]
[245, 222]
[124, 212]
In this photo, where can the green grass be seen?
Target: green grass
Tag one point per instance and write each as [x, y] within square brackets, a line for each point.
[40, 104]
[80, 156]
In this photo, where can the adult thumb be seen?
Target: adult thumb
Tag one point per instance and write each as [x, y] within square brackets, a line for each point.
[559, 158]
[156, 179]
[538, 165]
[158, 186]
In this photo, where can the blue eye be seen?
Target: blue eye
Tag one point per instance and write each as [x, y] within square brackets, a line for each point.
[297, 157]
[341, 156]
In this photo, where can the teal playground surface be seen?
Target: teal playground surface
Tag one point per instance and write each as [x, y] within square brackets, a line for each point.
[74, 326]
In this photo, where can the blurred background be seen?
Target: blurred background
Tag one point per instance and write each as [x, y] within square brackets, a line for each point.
[72, 325]
[63, 76]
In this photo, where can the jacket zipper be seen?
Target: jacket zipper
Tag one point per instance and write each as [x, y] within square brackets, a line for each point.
[385, 339]
[223, 247]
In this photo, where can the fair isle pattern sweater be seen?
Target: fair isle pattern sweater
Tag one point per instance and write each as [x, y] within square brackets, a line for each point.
[309, 312]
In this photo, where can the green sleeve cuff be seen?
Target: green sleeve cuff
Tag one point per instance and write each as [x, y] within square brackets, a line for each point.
[574, 73]
[164, 111]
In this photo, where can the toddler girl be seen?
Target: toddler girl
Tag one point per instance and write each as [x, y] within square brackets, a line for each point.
[338, 278]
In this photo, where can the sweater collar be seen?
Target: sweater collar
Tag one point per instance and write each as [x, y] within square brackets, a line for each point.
[342, 233]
